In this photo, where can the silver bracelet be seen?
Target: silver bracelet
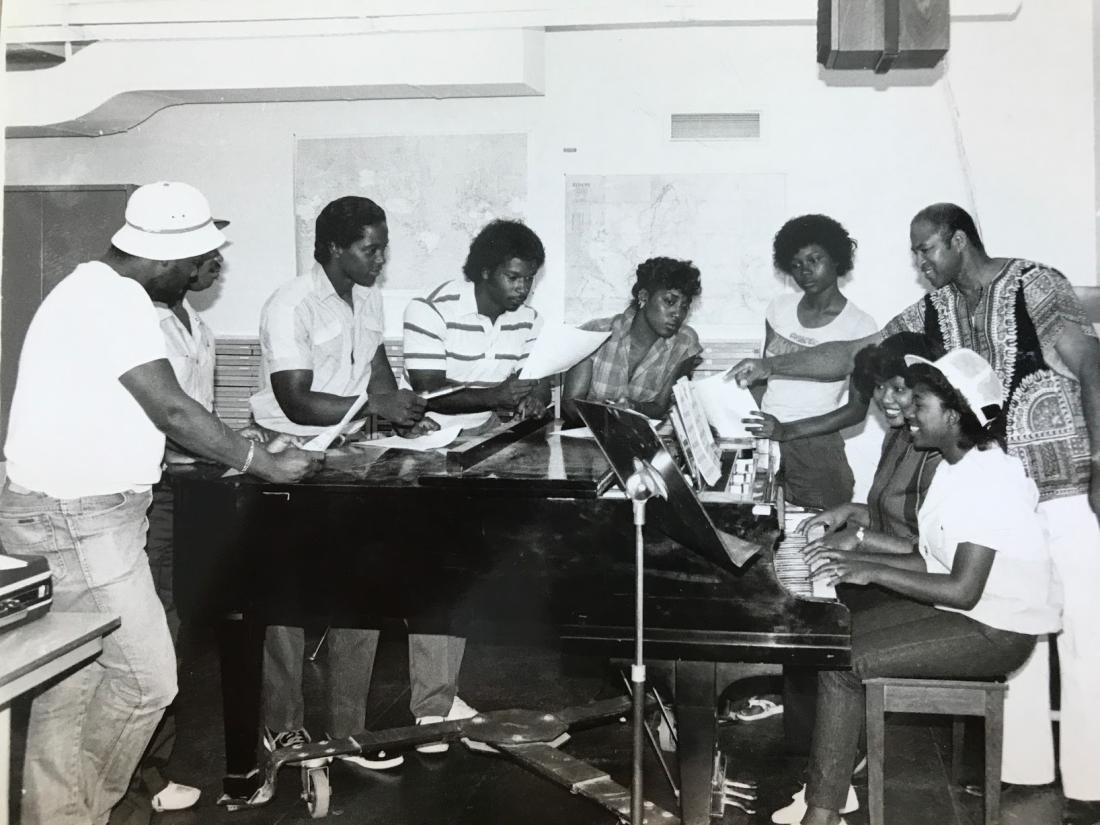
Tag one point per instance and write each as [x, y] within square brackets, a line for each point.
[249, 457]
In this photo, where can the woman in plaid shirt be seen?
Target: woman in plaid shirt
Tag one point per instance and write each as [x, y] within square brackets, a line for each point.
[650, 346]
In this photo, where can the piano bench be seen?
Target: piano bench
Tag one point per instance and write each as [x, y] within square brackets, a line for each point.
[957, 699]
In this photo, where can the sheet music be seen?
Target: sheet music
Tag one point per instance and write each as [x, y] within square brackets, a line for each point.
[725, 404]
[682, 437]
[558, 348]
[323, 440]
[429, 441]
[699, 440]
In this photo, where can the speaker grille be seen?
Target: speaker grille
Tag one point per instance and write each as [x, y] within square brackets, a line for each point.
[716, 126]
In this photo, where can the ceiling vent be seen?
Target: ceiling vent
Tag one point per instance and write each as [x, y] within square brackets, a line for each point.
[716, 126]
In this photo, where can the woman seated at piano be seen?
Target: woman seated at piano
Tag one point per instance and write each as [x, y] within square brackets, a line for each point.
[904, 473]
[899, 485]
[977, 583]
[650, 347]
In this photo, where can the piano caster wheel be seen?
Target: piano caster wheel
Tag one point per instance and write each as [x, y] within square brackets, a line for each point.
[316, 791]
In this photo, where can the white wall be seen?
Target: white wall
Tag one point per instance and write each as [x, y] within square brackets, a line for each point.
[869, 156]
[1006, 128]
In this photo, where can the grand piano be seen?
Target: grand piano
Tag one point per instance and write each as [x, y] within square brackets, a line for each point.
[516, 535]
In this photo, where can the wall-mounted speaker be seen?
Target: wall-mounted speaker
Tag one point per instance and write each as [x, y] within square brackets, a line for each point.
[882, 34]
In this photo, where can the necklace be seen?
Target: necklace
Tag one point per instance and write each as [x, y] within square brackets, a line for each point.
[970, 310]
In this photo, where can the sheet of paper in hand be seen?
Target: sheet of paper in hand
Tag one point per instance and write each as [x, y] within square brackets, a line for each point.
[725, 404]
[323, 440]
[558, 348]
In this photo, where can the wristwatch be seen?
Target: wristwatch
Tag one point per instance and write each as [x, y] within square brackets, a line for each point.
[860, 533]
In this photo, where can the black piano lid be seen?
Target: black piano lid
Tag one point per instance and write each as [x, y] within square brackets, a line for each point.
[624, 435]
[529, 459]
[522, 458]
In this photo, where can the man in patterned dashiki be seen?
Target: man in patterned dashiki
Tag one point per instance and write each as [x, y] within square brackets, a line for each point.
[1025, 319]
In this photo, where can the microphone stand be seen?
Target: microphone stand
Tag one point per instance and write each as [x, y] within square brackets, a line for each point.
[643, 484]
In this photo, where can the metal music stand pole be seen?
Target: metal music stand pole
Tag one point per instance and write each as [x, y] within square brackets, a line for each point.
[642, 485]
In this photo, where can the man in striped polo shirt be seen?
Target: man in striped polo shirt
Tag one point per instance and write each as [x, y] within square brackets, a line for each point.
[474, 331]
[478, 331]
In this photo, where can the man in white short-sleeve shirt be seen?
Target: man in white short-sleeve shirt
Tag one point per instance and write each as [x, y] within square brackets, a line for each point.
[307, 326]
[94, 399]
[190, 348]
[189, 341]
[321, 342]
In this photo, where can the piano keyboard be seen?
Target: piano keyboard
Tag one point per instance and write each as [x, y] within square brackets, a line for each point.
[790, 565]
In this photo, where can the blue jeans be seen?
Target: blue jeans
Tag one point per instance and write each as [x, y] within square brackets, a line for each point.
[88, 731]
[901, 638]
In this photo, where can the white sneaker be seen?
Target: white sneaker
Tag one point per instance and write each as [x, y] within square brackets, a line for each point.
[793, 813]
[377, 761]
[372, 760]
[175, 797]
[460, 710]
[431, 747]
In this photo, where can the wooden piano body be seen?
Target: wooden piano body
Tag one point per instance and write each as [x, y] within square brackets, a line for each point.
[531, 541]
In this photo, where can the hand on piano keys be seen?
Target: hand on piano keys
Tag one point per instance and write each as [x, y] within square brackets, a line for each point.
[831, 520]
[834, 559]
[791, 566]
[838, 567]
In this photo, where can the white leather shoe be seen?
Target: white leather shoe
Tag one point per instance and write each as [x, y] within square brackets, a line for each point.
[175, 797]
[793, 813]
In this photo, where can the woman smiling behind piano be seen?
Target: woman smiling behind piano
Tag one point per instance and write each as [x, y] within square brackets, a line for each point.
[903, 474]
[899, 485]
[977, 583]
[650, 347]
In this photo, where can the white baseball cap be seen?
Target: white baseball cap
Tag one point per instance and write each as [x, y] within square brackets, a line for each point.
[167, 221]
[971, 375]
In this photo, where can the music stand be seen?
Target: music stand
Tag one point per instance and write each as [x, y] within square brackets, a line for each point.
[624, 435]
[645, 470]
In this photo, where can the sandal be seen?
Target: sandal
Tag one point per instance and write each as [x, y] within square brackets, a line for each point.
[758, 708]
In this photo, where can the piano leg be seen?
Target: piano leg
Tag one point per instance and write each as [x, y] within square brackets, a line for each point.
[240, 650]
[695, 724]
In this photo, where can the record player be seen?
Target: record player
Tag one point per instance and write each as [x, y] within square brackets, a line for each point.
[26, 589]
